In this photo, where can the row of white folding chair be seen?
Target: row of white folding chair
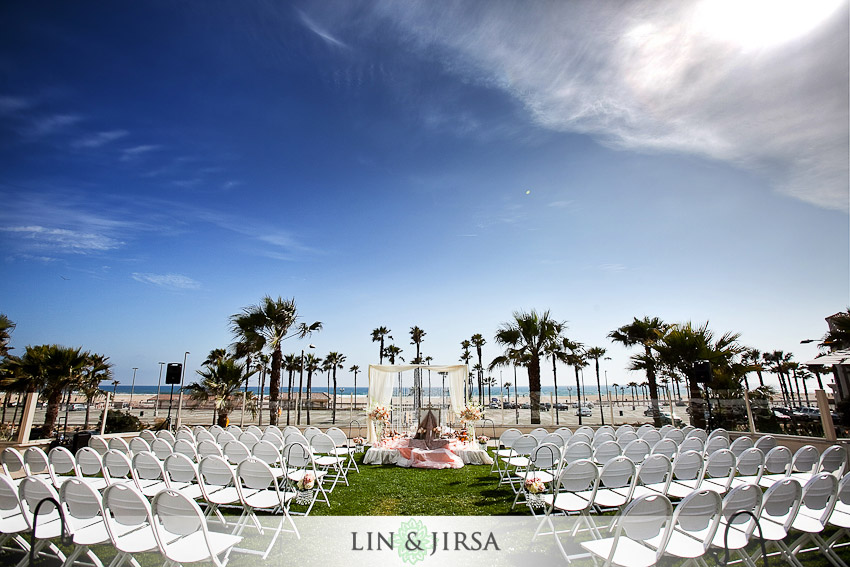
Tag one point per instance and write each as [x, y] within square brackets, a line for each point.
[173, 525]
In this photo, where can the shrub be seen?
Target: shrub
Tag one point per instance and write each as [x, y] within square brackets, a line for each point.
[120, 422]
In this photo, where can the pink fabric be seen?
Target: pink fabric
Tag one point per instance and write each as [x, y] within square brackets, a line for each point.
[413, 453]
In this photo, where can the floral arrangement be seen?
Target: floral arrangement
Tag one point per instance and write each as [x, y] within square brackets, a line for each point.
[463, 435]
[482, 439]
[534, 485]
[380, 413]
[471, 412]
[358, 440]
[307, 482]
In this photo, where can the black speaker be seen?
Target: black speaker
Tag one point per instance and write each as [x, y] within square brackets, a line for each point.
[702, 372]
[173, 373]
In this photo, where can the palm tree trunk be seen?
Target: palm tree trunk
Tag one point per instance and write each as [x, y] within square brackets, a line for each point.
[6, 397]
[534, 388]
[88, 411]
[274, 386]
[578, 394]
[806, 391]
[309, 393]
[697, 411]
[262, 391]
[555, 377]
[333, 412]
[222, 418]
[761, 380]
[653, 387]
[288, 396]
[53, 401]
[599, 391]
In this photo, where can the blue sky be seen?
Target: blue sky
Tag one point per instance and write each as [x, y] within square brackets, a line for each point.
[163, 165]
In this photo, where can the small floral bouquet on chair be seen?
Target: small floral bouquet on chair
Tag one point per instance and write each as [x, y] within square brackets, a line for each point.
[305, 486]
[482, 440]
[358, 443]
[535, 489]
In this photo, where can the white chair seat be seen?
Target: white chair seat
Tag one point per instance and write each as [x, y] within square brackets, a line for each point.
[737, 538]
[545, 476]
[328, 461]
[192, 548]
[680, 545]
[680, 489]
[267, 498]
[226, 495]
[298, 474]
[769, 480]
[771, 530]
[520, 462]
[13, 524]
[188, 489]
[568, 501]
[739, 480]
[838, 518]
[642, 490]
[807, 524]
[628, 552]
[95, 482]
[712, 485]
[93, 534]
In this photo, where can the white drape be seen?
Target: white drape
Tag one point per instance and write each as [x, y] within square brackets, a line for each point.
[381, 386]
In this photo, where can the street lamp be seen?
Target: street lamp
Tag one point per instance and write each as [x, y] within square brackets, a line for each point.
[133, 387]
[180, 399]
[158, 382]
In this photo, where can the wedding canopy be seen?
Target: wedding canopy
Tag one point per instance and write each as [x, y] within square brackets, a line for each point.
[381, 379]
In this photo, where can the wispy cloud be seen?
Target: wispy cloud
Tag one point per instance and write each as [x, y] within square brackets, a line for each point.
[14, 104]
[319, 31]
[168, 281]
[64, 239]
[652, 77]
[560, 204]
[612, 268]
[99, 139]
[49, 125]
[129, 154]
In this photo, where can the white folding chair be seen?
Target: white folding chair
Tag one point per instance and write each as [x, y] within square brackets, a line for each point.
[623, 429]
[235, 452]
[290, 429]
[554, 439]
[777, 465]
[605, 452]
[600, 438]
[749, 467]
[719, 471]
[840, 517]
[544, 461]
[740, 445]
[643, 429]
[804, 465]
[32, 491]
[203, 435]
[84, 517]
[653, 477]
[637, 451]
[299, 465]
[580, 438]
[224, 437]
[819, 496]
[675, 435]
[273, 438]
[13, 524]
[565, 433]
[576, 452]
[215, 430]
[645, 518]
[698, 433]
[181, 474]
[61, 465]
[147, 435]
[166, 436]
[161, 448]
[765, 443]
[185, 435]
[127, 515]
[184, 447]
[343, 449]
[665, 429]
[539, 433]
[740, 517]
[137, 445]
[666, 447]
[90, 468]
[254, 430]
[651, 436]
[627, 437]
[833, 460]
[311, 431]
[692, 444]
[118, 444]
[687, 474]
[715, 444]
[274, 429]
[258, 489]
[779, 507]
[182, 535]
[36, 464]
[585, 430]
[234, 430]
[148, 474]
[617, 481]
[207, 448]
[248, 439]
[270, 455]
[324, 455]
[117, 468]
[694, 525]
[606, 429]
[12, 463]
[217, 481]
[521, 450]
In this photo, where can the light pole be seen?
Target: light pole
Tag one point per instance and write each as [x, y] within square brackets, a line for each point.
[300, 384]
[180, 398]
[133, 387]
[158, 382]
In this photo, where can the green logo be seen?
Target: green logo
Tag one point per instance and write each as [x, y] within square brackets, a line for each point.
[412, 541]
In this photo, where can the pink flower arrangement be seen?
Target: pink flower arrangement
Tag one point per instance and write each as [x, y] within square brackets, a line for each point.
[534, 485]
[380, 413]
[471, 412]
[307, 482]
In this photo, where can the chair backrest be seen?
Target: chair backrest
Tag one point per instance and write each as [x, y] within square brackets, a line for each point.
[215, 472]
[116, 466]
[81, 503]
[546, 456]
[147, 435]
[842, 501]
[740, 445]
[833, 460]
[166, 436]
[719, 432]
[9, 502]
[606, 452]
[524, 445]
[564, 432]
[147, 467]
[687, 430]
[687, 466]
[586, 430]
[295, 437]
[765, 443]
[666, 447]
[698, 514]
[234, 430]
[637, 450]
[206, 448]
[781, 502]
[601, 438]
[778, 460]
[665, 429]
[99, 444]
[619, 472]
[33, 490]
[322, 444]
[161, 448]
[606, 429]
[175, 516]
[656, 469]
[89, 462]
[626, 437]
[819, 496]
[743, 498]
[61, 462]
[274, 439]
[554, 439]
[651, 436]
[119, 445]
[137, 445]
[641, 431]
[579, 438]
[254, 474]
[290, 429]
[35, 460]
[310, 432]
[676, 435]
[224, 437]
[750, 463]
[236, 452]
[185, 435]
[274, 429]
[248, 439]
[644, 518]
[579, 476]
[625, 428]
[215, 430]
[254, 430]
[296, 455]
[338, 435]
[267, 452]
[184, 447]
[179, 468]
[508, 437]
[715, 444]
[12, 461]
[805, 459]
[539, 433]
[577, 451]
[720, 465]
[203, 435]
[692, 444]
[123, 504]
[699, 434]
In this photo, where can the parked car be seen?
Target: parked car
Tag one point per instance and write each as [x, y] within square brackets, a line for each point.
[780, 416]
[807, 414]
[584, 411]
[495, 405]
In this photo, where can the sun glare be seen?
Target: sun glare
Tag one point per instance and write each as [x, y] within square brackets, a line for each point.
[759, 24]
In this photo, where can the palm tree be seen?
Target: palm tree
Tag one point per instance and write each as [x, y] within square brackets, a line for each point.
[392, 352]
[354, 368]
[215, 356]
[555, 349]
[6, 328]
[378, 335]
[645, 332]
[752, 358]
[428, 361]
[778, 362]
[489, 382]
[220, 381]
[478, 341]
[416, 337]
[312, 363]
[334, 360]
[576, 357]
[616, 387]
[268, 324]
[507, 386]
[292, 364]
[838, 336]
[526, 336]
[97, 370]
[596, 353]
